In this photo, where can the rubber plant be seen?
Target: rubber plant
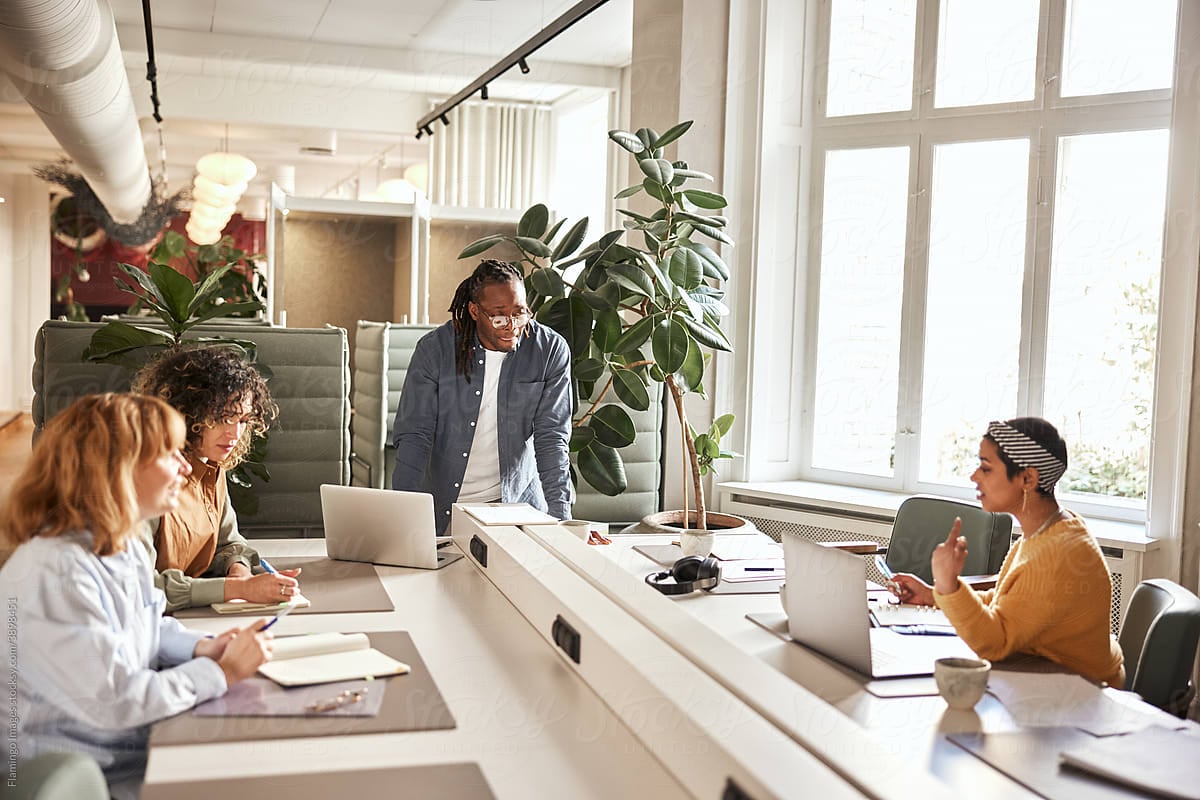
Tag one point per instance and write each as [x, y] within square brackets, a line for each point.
[654, 282]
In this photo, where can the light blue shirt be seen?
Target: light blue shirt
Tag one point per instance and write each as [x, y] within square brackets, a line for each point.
[439, 408]
[95, 660]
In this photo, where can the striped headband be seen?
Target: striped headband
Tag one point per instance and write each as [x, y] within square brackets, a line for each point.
[1025, 452]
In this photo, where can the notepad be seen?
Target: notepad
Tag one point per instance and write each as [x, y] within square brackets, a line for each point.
[888, 614]
[509, 514]
[1153, 759]
[326, 658]
[246, 607]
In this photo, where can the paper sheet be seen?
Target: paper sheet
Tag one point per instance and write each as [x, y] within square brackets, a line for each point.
[508, 514]
[1156, 759]
[245, 607]
[1039, 700]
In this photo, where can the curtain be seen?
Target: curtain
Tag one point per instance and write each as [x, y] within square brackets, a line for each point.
[492, 155]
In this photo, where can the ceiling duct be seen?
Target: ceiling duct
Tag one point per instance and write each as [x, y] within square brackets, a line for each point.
[64, 58]
[319, 143]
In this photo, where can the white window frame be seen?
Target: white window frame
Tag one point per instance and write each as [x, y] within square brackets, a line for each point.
[1042, 121]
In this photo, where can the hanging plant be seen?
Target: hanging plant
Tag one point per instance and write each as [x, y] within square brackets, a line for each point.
[155, 215]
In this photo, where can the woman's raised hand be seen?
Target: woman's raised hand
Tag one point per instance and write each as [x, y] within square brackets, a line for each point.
[948, 560]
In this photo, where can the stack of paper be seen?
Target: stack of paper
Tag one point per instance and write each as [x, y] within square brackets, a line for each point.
[327, 657]
[508, 514]
[888, 614]
[1037, 700]
[752, 569]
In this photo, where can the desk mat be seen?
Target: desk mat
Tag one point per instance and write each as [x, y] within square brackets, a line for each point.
[1030, 757]
[433, 781]
[333, 587]
[411, 702]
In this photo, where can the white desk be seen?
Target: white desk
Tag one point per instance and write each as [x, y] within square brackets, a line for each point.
[534, 728]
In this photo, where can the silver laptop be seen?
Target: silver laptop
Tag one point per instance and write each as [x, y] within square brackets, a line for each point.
[383, 527]
[827, 611]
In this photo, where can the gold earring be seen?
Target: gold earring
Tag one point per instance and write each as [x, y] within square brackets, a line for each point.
[1024, 499]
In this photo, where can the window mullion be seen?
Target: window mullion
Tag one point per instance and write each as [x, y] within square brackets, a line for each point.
[1035, 297]
[912, 322]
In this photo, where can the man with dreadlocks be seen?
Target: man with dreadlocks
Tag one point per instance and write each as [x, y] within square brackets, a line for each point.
[485, 413]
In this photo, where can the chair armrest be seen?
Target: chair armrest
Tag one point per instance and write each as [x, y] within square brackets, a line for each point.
[864, 548]
[979, 582]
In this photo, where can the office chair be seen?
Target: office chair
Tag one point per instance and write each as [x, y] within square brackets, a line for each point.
[1158, 638]
[922, 523]
[53, 776]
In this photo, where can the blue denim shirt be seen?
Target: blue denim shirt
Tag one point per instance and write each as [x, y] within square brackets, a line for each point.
[435, 422]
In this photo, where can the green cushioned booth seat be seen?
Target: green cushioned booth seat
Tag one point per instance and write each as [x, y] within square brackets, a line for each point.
[309, 445]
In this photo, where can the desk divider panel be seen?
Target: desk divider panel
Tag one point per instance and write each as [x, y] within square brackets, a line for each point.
[707, 737]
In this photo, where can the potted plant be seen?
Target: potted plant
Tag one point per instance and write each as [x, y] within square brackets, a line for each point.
[638, 306]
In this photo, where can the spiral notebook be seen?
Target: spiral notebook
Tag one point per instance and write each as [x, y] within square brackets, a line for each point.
[246, 607]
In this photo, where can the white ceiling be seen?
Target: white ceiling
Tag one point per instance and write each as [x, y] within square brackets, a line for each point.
[281, 72]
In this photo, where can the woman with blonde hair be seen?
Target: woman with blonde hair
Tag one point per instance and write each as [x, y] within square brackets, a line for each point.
[200, 556]
[95, 660]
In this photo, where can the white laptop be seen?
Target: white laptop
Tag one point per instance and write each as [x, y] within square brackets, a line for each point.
[827, 611]
[383, 527]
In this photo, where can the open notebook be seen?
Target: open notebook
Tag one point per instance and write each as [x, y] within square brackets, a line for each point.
[327, 657]
[246, 607]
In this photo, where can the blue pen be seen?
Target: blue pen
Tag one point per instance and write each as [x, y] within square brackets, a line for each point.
[267, 566]
[283, 612]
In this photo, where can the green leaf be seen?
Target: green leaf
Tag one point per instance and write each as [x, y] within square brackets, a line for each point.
[657, 374]
[709, 303]
[208, 287]
[628, 191]
[669, 344]
[571, 317]
[581, 437]
[723, 423]
[713, 220]
[694, 309]
[715, 233]
[648, 137]
[707, 335]
[534, 221]
[550, 234]
[607, 330]
[601, 467]
[634, 215]
[588, 369]
[225, 310]
[632, 278]
[709, 200]
[631, 389]
[658, 191]
[546, 282]
[691, 373]
[714, 265]
[629, 142]
[572, 240]
[531, 246]
[685, 268]
[613, 426]
[692, 173]
[480, 245]
[658, 170]
[174, 289]
[635, 335]
[120, 337]
[673, 133]
[137, 278]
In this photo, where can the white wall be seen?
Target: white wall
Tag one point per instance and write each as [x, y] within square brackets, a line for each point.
[24, 283]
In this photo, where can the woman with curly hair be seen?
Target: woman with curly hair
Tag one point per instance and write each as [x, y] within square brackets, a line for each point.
[200, 557]
[98, 661]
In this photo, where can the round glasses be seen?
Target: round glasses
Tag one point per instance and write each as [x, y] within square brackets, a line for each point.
[503, 320]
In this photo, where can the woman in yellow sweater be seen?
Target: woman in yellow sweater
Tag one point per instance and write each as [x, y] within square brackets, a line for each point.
[1053, 594]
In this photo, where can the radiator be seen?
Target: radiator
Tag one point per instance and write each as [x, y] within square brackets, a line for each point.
[776, 518]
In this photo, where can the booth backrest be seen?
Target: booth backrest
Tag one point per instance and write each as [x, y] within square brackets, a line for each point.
[381, 355]
[309, 445]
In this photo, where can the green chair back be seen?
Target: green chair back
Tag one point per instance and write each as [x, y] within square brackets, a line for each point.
[1159, 638]
[923, 522]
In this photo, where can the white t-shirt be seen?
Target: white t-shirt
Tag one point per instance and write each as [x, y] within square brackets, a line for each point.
[481, 483]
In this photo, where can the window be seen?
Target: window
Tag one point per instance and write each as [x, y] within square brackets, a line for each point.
[990, 244]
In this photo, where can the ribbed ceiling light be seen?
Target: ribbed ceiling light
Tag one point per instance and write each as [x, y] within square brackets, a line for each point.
[221, 178]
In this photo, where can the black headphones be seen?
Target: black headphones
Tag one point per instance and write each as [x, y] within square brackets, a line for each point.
[687, 575]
